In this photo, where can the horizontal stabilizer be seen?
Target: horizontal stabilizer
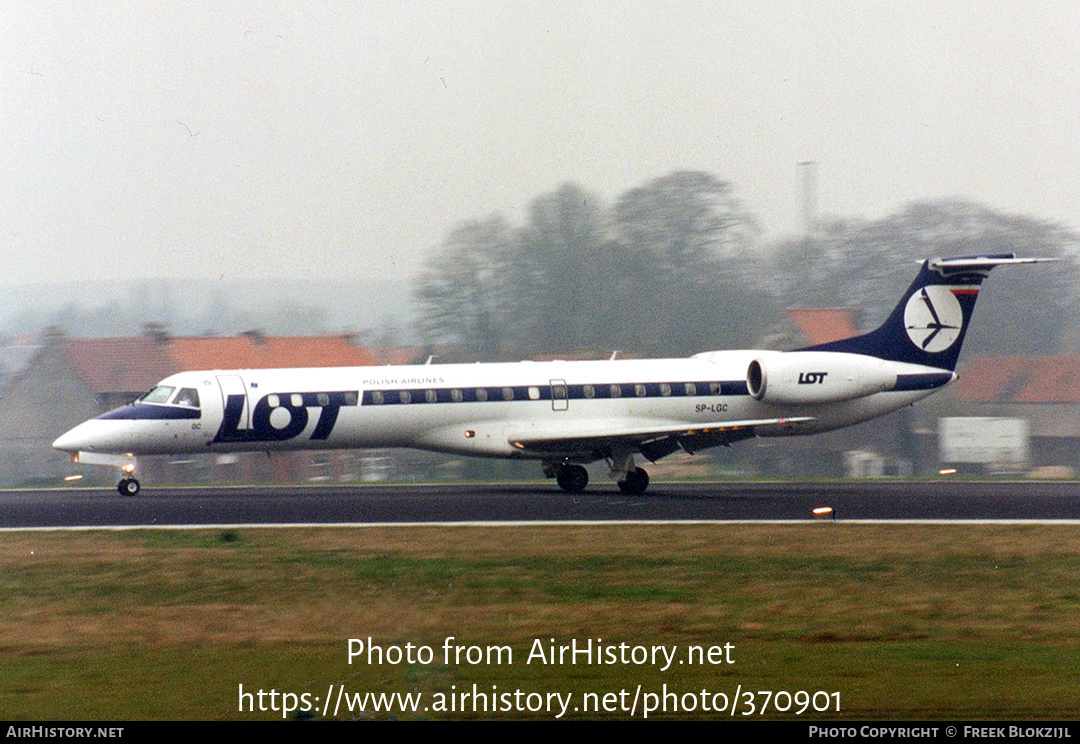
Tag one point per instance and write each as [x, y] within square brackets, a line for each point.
[980, 263]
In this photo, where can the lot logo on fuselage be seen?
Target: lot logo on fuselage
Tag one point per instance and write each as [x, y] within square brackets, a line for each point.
[933, 318]
[281, 416]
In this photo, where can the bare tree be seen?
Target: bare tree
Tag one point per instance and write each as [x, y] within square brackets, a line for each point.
[467, 294]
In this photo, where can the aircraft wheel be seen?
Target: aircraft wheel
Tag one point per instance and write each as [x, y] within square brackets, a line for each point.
[128, 487]
[637, 480]
[572, 478]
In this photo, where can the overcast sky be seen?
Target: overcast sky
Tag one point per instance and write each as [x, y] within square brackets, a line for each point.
[287, 139]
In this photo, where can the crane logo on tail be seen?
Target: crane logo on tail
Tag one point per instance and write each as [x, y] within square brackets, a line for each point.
[933, 318]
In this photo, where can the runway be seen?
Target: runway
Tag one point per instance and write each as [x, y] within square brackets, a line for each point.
[889, 501]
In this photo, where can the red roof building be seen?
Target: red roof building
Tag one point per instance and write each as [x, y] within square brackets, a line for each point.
[809, 326]
[72, 379]
[820, 325]
[253, 351]
[1019, 380]
[1043, 390]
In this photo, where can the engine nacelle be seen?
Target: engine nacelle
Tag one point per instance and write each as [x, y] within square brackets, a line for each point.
[817, 376]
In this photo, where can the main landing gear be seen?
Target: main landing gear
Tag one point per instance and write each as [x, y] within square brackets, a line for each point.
[629, 477]
[635, 482]
[573, 478]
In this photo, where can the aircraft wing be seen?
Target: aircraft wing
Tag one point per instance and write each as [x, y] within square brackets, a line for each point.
[652, 441]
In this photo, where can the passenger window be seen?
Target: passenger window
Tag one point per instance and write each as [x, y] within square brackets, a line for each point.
[430, 396]
[456, 396]
[405, 396]
[187, 397]
[377, 397]
[508, 393]
[639, 390]
[616, 391]
[691, 388]
[481, 394]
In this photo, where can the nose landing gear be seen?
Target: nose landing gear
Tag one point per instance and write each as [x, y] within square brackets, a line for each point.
[128, 485]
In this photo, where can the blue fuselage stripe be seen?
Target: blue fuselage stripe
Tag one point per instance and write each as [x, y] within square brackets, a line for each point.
[598, 391]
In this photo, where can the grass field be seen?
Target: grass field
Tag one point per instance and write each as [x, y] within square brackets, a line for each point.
[904, 622]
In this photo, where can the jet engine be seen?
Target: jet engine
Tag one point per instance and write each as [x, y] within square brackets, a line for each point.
[817, 377]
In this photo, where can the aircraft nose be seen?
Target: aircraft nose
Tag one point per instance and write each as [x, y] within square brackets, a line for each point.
[81, 438]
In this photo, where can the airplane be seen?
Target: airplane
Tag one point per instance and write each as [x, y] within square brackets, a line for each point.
[565, 414]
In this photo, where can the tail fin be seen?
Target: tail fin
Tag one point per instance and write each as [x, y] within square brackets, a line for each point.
[929, 324]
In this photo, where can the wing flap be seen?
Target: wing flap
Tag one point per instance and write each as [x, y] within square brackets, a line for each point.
[598, 436]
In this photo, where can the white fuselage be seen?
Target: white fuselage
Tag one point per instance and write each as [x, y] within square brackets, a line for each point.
[470, 409]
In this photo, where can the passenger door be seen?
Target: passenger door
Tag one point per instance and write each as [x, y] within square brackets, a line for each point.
[560, 395]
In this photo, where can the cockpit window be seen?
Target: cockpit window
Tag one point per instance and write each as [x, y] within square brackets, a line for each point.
[160, 394]
[187, 397]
